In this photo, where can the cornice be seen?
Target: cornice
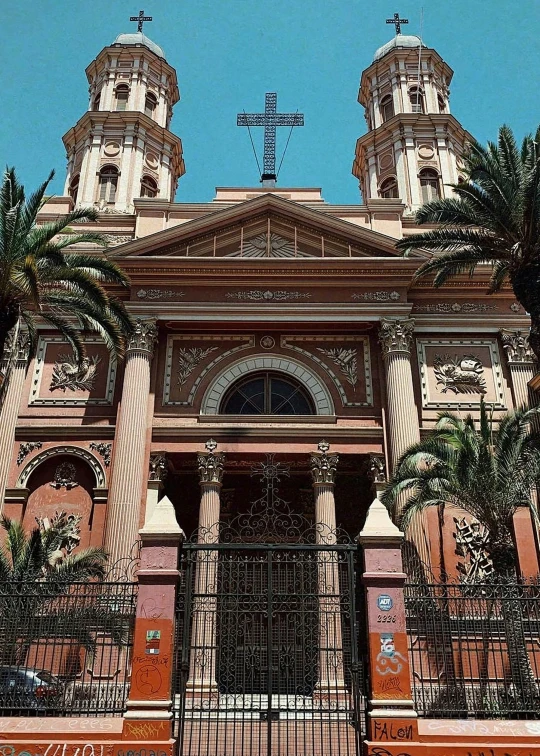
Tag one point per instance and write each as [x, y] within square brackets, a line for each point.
[64, 433]
[352, 434]
[389, 130]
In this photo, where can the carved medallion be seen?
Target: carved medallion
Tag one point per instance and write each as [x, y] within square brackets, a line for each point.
[460, 375]
[69, 374]
[64, 476]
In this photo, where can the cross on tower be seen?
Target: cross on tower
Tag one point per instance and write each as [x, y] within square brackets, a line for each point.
[141, 18]
[397, 21]
[270, 119]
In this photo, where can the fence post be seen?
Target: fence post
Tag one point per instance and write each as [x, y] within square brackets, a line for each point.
[149, 715]
[392, 716]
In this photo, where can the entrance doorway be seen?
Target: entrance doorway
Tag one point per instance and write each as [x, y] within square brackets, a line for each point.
[268, 655]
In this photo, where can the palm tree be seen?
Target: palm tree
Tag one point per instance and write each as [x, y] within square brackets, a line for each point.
[39, 278]
[494, 219]
[43, 593]
[489, 473]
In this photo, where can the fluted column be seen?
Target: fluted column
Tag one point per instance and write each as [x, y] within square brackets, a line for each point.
[202, 668]
[14, 371]
[396, 339]
[127, 479]
[521, 363]
[323, 471]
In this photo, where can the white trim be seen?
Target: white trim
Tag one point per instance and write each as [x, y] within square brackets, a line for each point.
[74, 451]
[311, 382]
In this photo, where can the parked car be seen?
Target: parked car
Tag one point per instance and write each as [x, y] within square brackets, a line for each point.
[27, 688]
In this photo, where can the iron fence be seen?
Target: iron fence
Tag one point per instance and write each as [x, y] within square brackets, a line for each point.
[475, 649]
[65, 650]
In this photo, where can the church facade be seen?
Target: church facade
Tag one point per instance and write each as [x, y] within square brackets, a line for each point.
[282, 361]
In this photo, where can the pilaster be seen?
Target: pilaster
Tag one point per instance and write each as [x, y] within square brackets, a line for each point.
[521, 363]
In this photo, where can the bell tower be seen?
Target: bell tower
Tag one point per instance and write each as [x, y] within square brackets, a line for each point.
[122, 147]
[413, 146]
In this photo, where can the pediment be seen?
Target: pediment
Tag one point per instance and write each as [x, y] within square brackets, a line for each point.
[264, 227]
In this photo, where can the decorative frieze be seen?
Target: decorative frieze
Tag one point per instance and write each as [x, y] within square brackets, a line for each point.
[447, 308]
[155, 294]
[26, 448]
[260, 295]
[104, 450]
[189, 358]
[210, 464]
[323, 465]
[345, 359]
[516, 347]
[377, 296]
[157, 467]
[459, 375]
[69, 373]
[143, 337]
[396, 336]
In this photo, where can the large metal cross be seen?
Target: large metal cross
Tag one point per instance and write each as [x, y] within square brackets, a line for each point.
[270, 119]
[141, 18]
[397, 21]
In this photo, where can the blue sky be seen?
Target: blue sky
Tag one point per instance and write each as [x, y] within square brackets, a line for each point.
[228, 53]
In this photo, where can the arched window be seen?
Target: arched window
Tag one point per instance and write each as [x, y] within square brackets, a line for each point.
[97, 100]
[122, 95]
[387, 108]
[108, 183]
[148, 187]
[150, 104]
[389, 188]
[416, 97]
[442, 104]
[267, 394]
[74, 187]
[429, 184]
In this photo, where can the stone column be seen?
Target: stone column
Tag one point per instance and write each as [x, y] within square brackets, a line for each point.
[127, 479]
[521, 363]
[395, 337]
[202, 668]
[14, 371]
[323, 471]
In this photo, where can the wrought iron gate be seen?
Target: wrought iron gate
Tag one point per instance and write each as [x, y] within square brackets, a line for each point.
[268, 654]
[267, 661]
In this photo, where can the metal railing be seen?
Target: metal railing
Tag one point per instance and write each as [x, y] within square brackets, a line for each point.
[474, 649]
[65, 651]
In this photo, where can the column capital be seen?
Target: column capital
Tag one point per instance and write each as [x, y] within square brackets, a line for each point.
[396, 336]
[17, 345]
[143, 337]
[516, 347]
[157, 467]
[323, 465]
[376, 468]
[210, 464]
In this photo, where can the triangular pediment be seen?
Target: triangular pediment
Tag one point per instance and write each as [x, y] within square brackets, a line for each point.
[264, 227]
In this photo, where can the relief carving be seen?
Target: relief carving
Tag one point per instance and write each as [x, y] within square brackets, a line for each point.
[69, 374]
[159, 294]
[345, 359]
[210, 463]
[471, 539]
[104, 450]
[460, 375]
[396, 335]
[258, 295]
[446, 307]
[144, 336]
[25, 449]
[188, 359]
[376, 468]
[323, 465]
[158, 469]
[67, 530]
[377, 296]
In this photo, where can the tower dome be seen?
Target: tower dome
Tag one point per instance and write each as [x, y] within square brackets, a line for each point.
[138, 38]
[400, 40]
